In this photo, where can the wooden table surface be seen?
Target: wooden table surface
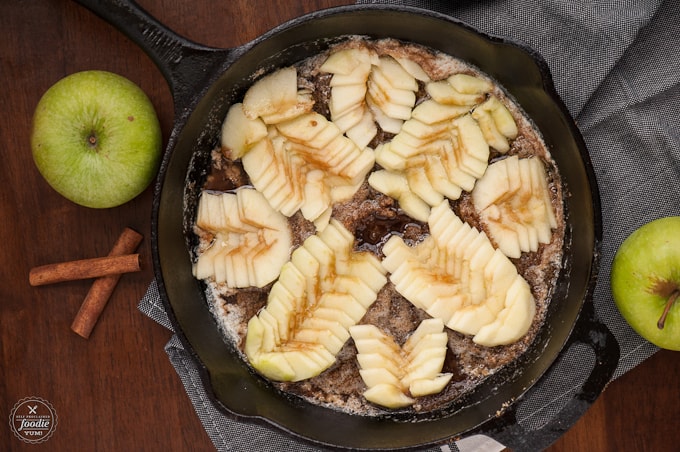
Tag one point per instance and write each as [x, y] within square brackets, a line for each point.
[117, 391]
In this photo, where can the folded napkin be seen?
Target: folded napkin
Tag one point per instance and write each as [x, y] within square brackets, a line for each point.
[616, 66]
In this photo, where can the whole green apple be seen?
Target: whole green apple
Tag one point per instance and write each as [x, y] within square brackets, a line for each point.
[96, 139]
[645, 281]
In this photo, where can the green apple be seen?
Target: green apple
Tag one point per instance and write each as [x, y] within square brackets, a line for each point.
[645, 281]
[96, 139]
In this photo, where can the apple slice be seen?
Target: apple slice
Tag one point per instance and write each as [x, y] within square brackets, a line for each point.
[274, 93]
[317, 196]
[304, 104]
[432, 112]
[494, 186]
[413, 68]
[345, 98]
[394, 74]
[503, 119]
[439, 159]
[473, 144]
[491, 133]
[470, 84]
[386, 123]
[395, 104]
[497, 123]
[427, 386]
[240, 133]
[391, 91]
[351, 69]
[387, 395]
[421, 186]
[444, 93]
[349, 66]
[363, 131]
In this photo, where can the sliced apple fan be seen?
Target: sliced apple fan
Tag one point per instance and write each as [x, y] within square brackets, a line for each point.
[251, 240]
[322, 291]
[394, 374]
[443, 149]
[456, 275]
[513, 201]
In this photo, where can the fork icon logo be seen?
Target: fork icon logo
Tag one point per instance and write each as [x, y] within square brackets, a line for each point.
[33, 420]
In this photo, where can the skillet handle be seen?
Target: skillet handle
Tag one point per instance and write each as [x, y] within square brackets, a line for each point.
[188, 67]
[590, 332]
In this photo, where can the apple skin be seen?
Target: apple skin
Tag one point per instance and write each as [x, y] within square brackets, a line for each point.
[648, 257]
[118, 117]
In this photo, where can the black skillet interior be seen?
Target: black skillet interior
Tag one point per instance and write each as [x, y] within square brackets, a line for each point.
[227, 379]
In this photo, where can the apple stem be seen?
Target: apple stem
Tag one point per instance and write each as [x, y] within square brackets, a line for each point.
[671, 300]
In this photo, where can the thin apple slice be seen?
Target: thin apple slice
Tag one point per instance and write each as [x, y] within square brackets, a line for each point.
[351, 117]
[494, 186]
[375, 360]
[413, 68]
[475, 147]
[304, 104]
[503, 119]
[386, 123]
[428, 386]
[432, 112]
[421, 186]
[470, 84]
[396, 104]
[438, 159]
[391, 91]
[395, 75]
[491, 133]
[273, 93]
[349, 62]
[348, 108]
[346, 98]
[444, 93]
[240, 133]
[396, 185]
[388, 396]
[515, 317]
[363, 131]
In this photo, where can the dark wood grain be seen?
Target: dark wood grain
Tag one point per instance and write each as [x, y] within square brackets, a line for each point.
[117, 391]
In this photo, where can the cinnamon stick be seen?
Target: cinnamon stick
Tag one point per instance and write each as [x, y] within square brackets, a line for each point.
[103, 287]
[83, 269]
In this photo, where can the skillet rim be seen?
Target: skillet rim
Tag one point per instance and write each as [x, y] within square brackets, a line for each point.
[547, 86]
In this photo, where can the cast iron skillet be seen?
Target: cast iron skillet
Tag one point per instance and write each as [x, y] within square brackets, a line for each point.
[205, 81]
